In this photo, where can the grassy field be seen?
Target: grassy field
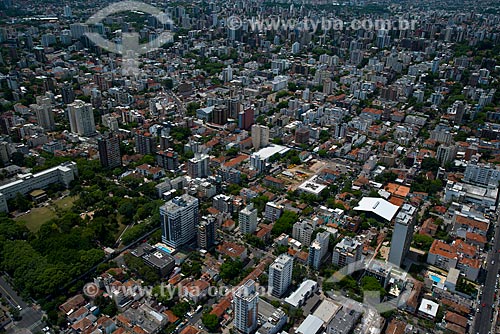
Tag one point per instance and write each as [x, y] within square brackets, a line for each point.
[38, 216]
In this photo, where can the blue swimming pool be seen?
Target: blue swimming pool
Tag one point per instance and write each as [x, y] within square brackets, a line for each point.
[435, 278]
[165, 249]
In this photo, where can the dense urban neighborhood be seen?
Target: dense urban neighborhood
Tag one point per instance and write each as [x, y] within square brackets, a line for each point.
[249, 166]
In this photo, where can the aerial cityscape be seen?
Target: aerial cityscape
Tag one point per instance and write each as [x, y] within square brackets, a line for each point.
[249, 166]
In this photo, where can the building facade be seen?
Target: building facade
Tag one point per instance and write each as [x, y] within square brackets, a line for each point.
[346, 251]
[109, 152]
[178, 218]
[245, 302]
[63, 174]
[81, 118]
[248, 219]
[402, 234]
[198, 167]
[207, 232]
[280, 275]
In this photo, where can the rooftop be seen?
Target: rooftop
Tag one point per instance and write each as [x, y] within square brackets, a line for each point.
[378, 206]
[326, 310]
[299, 294]
[311, 325]
[429, 308]
[269, 151]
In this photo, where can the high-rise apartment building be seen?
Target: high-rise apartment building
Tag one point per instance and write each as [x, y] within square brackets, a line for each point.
[245, 118]
[44, 114]
[81, 118]
[245, 303]
[402, 234]
[446, 153]
[273, 211]
[280, 275]
[168, 159]
[318, 249]
[260, 136]
[248, 219]
[198, 166]
[302, 231]
[347, 251]
[109, 152]
[207, 232]
[178, 218]
[145, 143]
[68, 94]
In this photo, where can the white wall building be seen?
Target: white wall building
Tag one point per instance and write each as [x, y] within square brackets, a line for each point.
[483, 174]
[280, 275]
[260, 136]
[347, 251]
[64, 174]
[248, 219]
[245, 302]
[81, 118]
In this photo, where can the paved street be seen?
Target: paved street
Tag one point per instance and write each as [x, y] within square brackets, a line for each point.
[10, 295]
[482, 323]
[30, 317]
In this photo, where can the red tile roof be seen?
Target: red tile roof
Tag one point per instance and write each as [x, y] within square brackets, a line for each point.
[455, 318]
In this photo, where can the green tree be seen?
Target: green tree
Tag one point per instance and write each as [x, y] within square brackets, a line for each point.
[210, 321]
[422, 241]
[260, 202]
[162, 295]
[284, 224]
[192, 107]
[233, 151]
[230, 270]
[324, 136]
[168, 83]
[430, 164]
[180, 309]
[371, 284]
[22, 203]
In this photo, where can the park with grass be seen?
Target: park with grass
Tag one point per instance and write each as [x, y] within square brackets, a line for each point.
[40, 215]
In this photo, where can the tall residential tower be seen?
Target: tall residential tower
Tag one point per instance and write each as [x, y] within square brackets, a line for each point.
[179, 218]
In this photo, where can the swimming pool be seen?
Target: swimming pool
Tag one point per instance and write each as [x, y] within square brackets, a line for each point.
[435, 278]
[165, 249]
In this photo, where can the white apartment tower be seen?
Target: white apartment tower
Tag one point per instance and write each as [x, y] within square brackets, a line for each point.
[248, 219]
[81, 118]
[44, 114]
[260, 136]
[245, 303]
[318, 249]
[347, 251]
[280, 275]
[198, 167]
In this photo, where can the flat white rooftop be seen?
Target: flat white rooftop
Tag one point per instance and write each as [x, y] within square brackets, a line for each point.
[312, 187]
[378, 206]
[269, 151]
[429, 308]
[327, 310]
[311, 325]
